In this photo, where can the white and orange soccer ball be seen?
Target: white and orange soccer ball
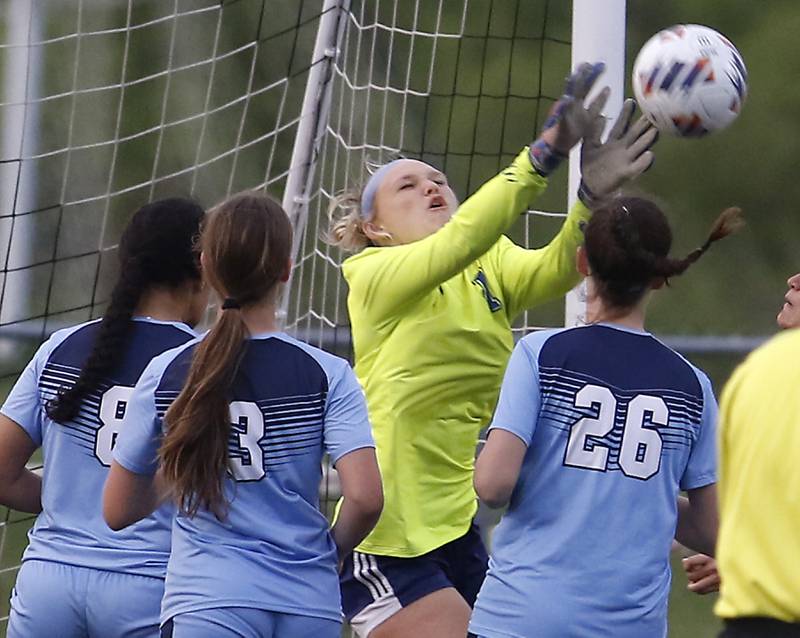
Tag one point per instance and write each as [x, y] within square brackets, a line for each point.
[689, 80]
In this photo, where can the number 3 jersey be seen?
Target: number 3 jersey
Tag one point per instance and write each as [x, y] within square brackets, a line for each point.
[616, 425]
[77, 454]
[290, 403]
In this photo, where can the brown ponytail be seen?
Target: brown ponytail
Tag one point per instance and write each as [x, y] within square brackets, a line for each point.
[628, 242]
[246, 244]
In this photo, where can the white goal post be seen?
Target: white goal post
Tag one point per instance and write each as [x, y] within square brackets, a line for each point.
[598, 33]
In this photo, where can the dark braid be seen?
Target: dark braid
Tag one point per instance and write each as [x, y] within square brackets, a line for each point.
[156, 249]
[628, 243]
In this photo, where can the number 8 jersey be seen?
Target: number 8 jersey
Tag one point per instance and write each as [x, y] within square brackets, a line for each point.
[616, 424]
[77, 454]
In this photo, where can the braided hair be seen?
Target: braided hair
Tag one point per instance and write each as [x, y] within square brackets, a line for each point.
[627, 244]
[157, 248]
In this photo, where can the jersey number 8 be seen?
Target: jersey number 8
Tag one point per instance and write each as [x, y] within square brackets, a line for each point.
[112, 411]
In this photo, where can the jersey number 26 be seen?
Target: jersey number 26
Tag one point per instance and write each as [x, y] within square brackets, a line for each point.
[640, 450]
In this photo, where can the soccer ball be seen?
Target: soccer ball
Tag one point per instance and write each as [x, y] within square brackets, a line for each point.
[689, 80]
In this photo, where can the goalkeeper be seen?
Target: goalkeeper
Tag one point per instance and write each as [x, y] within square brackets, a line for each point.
[431, 304]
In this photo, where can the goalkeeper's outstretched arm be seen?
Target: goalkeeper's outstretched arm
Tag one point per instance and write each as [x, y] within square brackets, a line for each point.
[408, 205]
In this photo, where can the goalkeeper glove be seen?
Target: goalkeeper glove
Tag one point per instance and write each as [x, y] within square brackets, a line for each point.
[626, 154]
[568, 120]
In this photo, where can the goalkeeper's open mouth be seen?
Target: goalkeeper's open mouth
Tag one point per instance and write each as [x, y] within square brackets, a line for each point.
[437, 203]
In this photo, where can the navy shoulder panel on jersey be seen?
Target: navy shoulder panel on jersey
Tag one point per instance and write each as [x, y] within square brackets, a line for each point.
[598, 380]
[270, 367]
[146, 340]
[620, 358]
[278, 402]
[277, 368]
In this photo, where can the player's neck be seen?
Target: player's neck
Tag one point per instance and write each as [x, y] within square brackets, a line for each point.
[163, 304]
[261, 317]
[598, 312]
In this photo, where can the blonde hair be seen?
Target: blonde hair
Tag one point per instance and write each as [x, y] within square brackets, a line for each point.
[346, 227]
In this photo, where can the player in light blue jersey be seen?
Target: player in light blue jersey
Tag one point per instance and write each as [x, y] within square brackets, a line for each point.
[597, 430]
[78, 578]
[239, 422]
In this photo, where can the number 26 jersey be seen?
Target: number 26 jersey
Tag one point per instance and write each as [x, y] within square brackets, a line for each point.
[616, 424]
[77, 454]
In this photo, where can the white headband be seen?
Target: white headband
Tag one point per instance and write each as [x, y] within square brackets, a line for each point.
[368, 194]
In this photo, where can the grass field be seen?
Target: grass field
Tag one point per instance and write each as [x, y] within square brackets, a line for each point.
[690, 615]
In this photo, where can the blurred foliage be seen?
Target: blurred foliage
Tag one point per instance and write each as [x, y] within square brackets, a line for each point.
[738, 287]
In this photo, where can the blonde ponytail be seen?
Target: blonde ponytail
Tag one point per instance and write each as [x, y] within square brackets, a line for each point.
[346, 228]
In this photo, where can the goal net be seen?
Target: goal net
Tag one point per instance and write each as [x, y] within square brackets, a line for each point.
[460, 85]
[105, 106]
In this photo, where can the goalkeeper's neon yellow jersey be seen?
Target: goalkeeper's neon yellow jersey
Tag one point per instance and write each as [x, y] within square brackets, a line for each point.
[431, 330]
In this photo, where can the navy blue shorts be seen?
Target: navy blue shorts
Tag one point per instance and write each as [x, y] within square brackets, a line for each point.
[376, 587]
[759, 628]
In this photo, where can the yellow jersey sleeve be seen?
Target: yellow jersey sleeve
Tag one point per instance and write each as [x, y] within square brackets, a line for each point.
[531, 277]
[400, 275]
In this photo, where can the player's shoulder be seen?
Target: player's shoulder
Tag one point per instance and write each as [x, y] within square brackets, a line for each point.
[65, 336]
[161, 363]
[783, 346]
[773, 362]
[533, 341]
[62, 334]
[566, 337]
[683, 363]
[332, 365]
[363, 262]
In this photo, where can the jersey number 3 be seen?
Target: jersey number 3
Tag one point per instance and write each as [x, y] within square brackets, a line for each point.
[246, 458]
[640, 450]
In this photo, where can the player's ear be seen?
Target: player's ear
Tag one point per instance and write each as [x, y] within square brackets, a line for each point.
[377, 234]
[200, 283]
[582, 262]
[287, 271]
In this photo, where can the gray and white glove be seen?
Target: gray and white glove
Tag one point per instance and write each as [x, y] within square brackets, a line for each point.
[569, 120]
[626, 154]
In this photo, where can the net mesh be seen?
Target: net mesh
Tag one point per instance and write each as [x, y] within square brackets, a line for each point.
[460, 85]
[105, 106]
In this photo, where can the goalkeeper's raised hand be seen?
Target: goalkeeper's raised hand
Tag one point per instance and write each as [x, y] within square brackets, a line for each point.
[606, 166]
[569, 120]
